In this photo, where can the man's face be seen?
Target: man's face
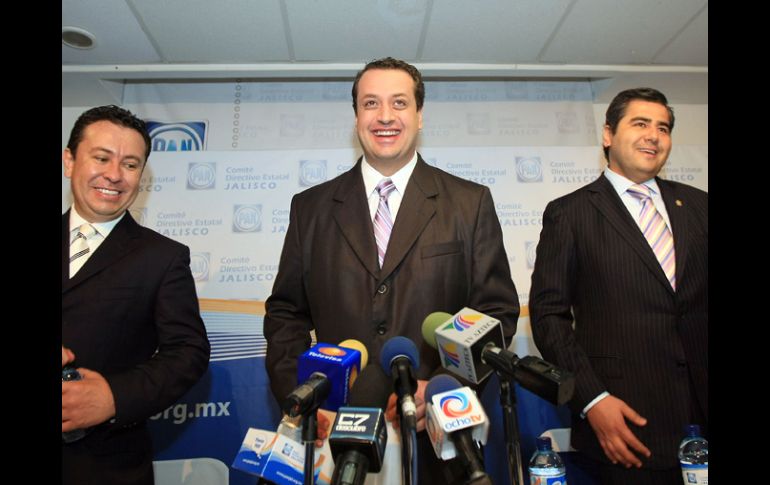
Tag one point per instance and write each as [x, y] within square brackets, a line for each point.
[387, 121]
[105, 171]
[642, 141]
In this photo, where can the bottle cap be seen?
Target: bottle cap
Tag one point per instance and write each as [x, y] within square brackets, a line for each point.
[543, 443]
[692, 430]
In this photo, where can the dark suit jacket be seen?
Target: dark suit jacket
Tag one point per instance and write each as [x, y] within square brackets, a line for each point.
[445, 252]
[633, 335]
[134, 295]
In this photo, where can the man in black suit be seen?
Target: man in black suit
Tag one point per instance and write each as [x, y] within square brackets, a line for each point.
[130, 317]
[445, 250]
[639, 346]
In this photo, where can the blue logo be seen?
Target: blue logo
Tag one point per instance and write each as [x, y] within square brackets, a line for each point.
[567, 122]
[530, 248]
[199, 265]
[311, 172]
[529, 169]
[478, 124]
[201, 176]
[183, 136]
[247, 218]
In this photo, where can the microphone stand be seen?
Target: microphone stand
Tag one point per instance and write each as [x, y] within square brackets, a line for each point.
[309, 435]
[511, 426]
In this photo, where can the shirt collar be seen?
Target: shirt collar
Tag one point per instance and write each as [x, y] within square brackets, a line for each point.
[400, 179]
[102, 228]
[621, 183]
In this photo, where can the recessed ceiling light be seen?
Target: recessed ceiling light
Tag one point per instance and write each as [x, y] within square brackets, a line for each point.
[77, 38]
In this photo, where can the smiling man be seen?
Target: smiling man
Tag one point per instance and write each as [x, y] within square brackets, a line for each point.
[369, 254]
[130, 319]
[626, 259]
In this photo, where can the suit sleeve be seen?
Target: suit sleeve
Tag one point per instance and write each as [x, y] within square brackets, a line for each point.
[492, 291]
[551, 301]
[183, 349]
[287, 320]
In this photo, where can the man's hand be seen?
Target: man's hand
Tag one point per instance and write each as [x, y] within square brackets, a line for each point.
[86, 402]
[419, 399]
[608, 419]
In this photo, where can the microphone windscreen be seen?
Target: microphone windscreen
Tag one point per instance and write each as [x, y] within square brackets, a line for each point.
[371, 389]
[399, 346]
[440, 383]
[354, 344]
[430, 324]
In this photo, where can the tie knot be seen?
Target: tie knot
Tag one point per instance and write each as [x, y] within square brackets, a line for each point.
[86, 231]
[639, 191]
[385, 187]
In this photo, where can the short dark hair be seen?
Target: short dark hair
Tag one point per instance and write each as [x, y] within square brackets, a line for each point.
[113, 114]
[391, 63]
[617, 108]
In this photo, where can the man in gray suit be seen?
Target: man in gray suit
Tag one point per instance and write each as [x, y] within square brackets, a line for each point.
[440, 243]
[626, 258]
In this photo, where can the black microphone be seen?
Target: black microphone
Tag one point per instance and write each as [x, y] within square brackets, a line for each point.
[471, 353]
[308, 396]
[457, 416]
[359, 436]
[398, 357]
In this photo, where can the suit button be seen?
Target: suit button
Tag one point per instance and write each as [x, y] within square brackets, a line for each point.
[382, 289]
[381, 329]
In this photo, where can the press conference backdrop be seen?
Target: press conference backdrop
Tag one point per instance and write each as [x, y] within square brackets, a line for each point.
[226, 160]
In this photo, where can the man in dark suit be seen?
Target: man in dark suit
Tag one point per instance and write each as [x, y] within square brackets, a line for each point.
[445, 250]
[639, 346]
[130, 318]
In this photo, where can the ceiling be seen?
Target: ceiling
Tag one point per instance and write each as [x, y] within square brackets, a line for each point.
[614, 43]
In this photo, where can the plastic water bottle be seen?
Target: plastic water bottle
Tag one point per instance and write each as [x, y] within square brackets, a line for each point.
[545, 466]
[694, 457]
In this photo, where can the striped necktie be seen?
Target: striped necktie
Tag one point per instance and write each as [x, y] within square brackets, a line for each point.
[79, 250]
[656, 231]
[383, 222]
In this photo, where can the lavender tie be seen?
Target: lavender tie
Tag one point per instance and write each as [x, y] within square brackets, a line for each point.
[79, 250]
[656, 232]
[383, 222]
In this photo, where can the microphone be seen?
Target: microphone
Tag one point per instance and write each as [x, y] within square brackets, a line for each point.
[473, 352]
[339, 364]
[455, 422]
[398, 357]
[460, 340]
[359, 436]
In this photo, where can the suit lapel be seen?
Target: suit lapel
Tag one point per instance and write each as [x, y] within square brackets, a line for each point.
[65, 249]
[124, 238]
[608, 202]
[351, 213]
[677, 214]
[415, 212]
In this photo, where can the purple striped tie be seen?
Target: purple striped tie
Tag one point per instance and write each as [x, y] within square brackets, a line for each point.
[79, 248]
[383, 222]
[656, 232]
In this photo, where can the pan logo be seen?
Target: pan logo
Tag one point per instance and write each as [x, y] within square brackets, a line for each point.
[311, 172]
[529, 169]
[530, 247]
[183, 136]
[139, 214]
[199, 265]
[292, 125]
[478, 124]
[247, 218]
[201, 176]
[567, 122]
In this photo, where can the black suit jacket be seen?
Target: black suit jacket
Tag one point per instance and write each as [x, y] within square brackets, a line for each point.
[445, 252]
[633, 335]
[131, 313]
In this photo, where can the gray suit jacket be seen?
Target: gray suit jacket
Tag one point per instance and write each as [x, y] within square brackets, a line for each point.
[633, 335]
[445, 252]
